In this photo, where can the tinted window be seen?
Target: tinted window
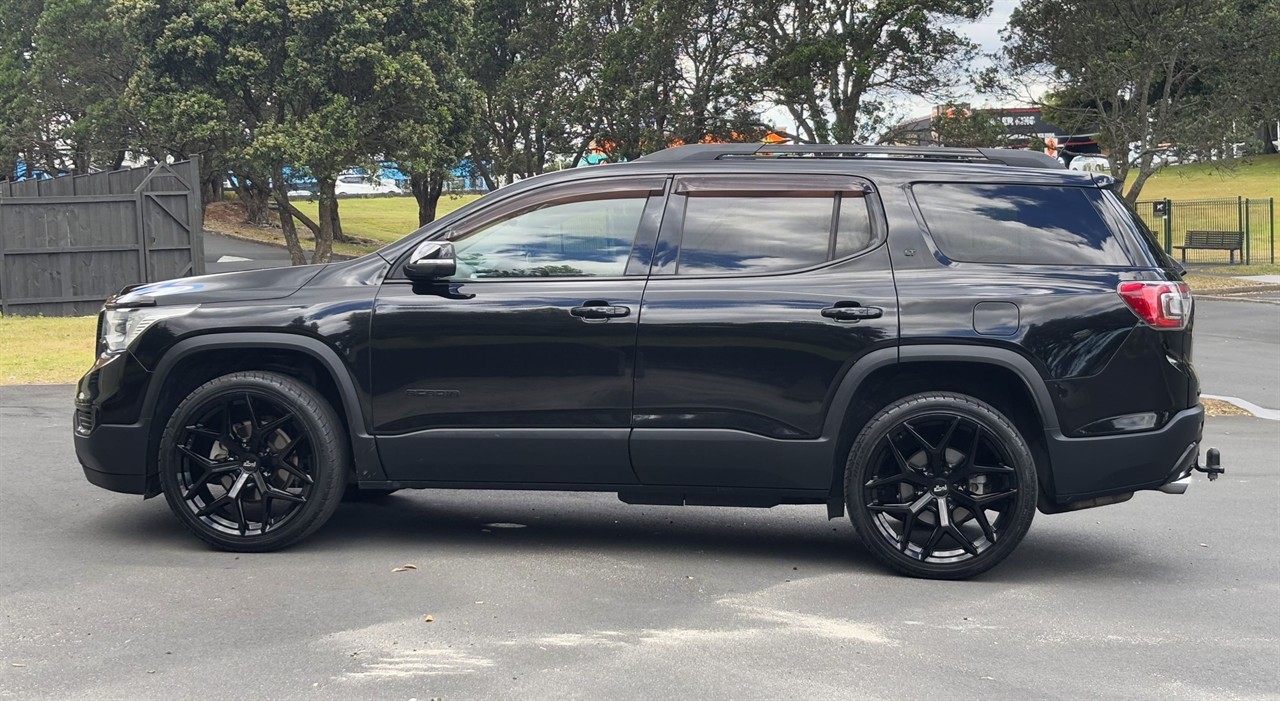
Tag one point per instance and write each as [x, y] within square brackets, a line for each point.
[1019, 224]
[590, 238]
[767, 232]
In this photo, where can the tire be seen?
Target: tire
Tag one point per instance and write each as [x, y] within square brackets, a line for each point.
[938, 452]
[253, 461]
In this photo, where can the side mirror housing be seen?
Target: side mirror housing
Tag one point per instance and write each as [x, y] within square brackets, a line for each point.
[432, 260]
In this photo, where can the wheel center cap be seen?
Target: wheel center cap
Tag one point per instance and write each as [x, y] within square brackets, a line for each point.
[940, 489]
[250, 465]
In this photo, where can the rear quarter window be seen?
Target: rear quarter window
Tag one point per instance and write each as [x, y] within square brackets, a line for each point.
[1020, 224]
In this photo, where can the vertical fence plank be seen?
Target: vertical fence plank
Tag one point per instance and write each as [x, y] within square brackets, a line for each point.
[41, 270]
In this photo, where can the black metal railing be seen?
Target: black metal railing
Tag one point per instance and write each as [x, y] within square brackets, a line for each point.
[1219, 231]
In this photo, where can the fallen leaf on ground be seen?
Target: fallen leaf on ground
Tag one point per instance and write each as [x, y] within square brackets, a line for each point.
[409, 566]
[18, 664]
[429, 618]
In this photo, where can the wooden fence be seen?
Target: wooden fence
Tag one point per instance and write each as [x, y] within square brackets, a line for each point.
[68, 243]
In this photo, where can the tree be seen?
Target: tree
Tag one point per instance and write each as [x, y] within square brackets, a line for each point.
[528, 67]
[1148, 75]
[318, 84]
[833, 64]
[959, 124]
[63, 74]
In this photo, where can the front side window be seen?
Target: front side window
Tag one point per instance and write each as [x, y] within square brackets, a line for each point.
[733, 228]
[575, 238]
[1021, 224]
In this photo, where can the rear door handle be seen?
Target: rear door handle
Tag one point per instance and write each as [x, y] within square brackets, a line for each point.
[595, 310]
[852, 311]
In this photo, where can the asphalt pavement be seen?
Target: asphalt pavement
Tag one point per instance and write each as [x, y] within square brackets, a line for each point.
[578, 596]
[1237, 350]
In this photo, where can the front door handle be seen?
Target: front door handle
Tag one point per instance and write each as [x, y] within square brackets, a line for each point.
[596, 310]
[852, 311]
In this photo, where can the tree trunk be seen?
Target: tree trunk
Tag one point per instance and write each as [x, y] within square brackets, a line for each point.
[254, 195]
[1267, 133]
[427, 188]
[337, 224]
[328, 212]
[280, 191]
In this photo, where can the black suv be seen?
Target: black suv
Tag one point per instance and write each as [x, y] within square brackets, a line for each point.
[938, 341]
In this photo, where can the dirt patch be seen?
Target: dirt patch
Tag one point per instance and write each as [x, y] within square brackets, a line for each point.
[1217, 407]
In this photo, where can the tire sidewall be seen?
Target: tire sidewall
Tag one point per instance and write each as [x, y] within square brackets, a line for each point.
[327, 445]
[864, 449]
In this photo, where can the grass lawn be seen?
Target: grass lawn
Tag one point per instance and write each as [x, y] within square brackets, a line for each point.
[384, 219]
[40, 350]
[1256, 176]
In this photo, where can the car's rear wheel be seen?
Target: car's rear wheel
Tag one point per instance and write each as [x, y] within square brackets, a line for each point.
[940, 485]
[253, 461]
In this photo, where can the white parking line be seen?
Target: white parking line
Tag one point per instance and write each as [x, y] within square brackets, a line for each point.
[233, 259]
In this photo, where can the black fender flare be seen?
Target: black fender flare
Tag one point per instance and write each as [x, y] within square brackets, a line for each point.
[865, 366]
[364, 451]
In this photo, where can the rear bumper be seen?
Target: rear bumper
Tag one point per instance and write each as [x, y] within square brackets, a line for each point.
[1087, 468]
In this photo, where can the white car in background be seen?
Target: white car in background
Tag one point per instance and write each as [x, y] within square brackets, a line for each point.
[1090, 164]
[352, 185]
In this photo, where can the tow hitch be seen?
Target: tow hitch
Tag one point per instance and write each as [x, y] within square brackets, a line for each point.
[1212, 464]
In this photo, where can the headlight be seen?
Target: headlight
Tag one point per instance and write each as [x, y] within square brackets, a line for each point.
[121, 327]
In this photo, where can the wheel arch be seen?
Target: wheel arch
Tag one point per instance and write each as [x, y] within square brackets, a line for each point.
[1001, 377]
[193, 361]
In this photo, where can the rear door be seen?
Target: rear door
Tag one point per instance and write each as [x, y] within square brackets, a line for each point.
[765, 292]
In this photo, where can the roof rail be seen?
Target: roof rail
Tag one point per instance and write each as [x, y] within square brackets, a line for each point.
[716, 152]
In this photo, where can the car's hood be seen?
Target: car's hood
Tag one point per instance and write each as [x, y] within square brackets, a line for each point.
[245, 285]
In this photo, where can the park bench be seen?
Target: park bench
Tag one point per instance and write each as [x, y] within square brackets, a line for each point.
[1214, 241]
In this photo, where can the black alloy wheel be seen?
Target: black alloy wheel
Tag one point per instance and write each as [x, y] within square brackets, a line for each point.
[253, 461]
[941, 486]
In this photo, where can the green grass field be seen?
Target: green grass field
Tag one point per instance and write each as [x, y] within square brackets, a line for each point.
[384, 219]
[39, 350]
[1256, 176]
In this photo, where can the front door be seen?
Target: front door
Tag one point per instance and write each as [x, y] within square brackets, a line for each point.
[520, 367]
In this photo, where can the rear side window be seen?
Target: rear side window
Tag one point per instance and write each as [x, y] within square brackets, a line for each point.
[752, 225]
[1024, 224]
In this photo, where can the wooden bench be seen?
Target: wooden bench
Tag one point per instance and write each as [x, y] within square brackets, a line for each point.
[1214, 241]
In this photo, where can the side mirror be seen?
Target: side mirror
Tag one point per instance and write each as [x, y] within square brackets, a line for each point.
[433, 260]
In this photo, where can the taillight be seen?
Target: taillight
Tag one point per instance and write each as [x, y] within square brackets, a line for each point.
[1163, 305]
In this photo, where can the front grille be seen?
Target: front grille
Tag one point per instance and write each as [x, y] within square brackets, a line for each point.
[84, 421]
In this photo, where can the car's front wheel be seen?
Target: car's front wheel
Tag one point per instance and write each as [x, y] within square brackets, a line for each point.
[940, 485]
[253, 461]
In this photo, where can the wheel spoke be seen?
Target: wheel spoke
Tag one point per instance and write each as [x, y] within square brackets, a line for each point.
[905, 473]
[206, 432]
[996, 469]
[960, 538]
[272, 425]
[293, 470]
[243, 522]
[204, 461]
[983, 500]
[213, 505]
[286, 451]
[926, 551]
[926, 445]
[282, 495]
[946, 437]
[205, 479]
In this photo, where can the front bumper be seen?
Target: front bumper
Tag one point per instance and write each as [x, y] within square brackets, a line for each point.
[1090, 468]
[115, 457]
[112, 434]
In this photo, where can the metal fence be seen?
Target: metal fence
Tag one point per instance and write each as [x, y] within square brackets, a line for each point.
[68, 243]
[1217, 231]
